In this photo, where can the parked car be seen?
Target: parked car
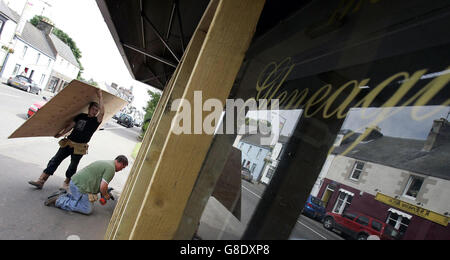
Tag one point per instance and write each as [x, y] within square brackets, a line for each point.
[125, 120]
[314, 208]
[117, 115]
[24, 83]
[359, 226]
[35, 107]
[246, 174]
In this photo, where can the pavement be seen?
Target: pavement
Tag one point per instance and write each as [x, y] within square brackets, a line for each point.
[22, 210]
[23, 214]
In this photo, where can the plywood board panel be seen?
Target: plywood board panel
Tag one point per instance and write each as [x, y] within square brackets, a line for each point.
[63, 107]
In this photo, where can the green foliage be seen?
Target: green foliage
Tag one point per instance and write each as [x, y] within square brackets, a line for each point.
[150, 109]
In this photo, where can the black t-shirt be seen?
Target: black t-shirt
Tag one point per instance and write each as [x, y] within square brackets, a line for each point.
[84, 128]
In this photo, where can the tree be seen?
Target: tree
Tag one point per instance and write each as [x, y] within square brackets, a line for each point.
[150, 109]
[63, 37]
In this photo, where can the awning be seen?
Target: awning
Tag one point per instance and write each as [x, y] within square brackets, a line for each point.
[347, 192]
[398, 212]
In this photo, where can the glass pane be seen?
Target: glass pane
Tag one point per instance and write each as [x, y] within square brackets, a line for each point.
[354, 93]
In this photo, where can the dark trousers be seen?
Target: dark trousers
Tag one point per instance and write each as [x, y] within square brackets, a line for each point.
[62, 154]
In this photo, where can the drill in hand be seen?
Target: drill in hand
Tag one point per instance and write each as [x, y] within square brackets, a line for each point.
[103, 200]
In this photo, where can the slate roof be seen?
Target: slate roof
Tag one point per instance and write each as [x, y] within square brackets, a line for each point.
[50, 45]
[37, 39]
[403, 154]
[64, 50]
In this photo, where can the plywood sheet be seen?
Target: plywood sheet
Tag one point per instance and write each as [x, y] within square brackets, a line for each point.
[63, 107]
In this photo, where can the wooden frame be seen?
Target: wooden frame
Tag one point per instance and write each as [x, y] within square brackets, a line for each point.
[157, 187]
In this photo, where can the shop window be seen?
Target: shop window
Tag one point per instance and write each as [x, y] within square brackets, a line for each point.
[357, 170]
[399, 221]
[413, 187]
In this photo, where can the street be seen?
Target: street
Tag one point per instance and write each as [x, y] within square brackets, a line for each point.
[22, 211]
[305, 228]
[218, 223]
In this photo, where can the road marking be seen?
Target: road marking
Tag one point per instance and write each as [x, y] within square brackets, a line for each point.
[315, 232]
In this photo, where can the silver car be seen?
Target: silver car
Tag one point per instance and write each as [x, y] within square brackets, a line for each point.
[24, 83]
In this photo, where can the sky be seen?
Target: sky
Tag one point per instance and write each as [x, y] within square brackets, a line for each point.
[83, 22]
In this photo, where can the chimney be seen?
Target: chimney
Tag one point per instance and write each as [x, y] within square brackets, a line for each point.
[439, 134]
[46, 26]
[374, 133]
[26, 14]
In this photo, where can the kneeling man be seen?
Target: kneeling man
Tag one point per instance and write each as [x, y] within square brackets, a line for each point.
[86, 184]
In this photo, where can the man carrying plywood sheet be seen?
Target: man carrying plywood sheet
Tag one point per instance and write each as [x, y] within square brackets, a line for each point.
[58, 115]
[75, 145]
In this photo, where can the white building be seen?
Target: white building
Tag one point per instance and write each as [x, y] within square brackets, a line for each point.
[36, 52]
[33, 56]
[8, 24]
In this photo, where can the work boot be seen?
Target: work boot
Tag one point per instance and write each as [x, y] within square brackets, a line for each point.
[51, 200]
[54, 197]
[65, 185]
[40, 182]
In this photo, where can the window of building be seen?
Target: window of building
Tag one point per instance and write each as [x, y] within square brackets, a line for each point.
[399, 221]
[42, 79]
[249, 149]
[343, 202]
[243, 163]
[16, 69]
[270, 173]
[357, 170]
[38, 57]
[259, 153]
[24, 52]
[413, 187]
[49, 62]
[253, 167]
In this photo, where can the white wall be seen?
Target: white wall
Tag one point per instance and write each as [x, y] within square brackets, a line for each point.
[390, 181]
[8, 33]
[66, 68]
[40, 67]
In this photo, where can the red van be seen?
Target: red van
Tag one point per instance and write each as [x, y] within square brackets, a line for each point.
[359, 226]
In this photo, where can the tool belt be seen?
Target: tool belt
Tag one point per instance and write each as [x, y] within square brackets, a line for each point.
[92, 197]
[78, 148]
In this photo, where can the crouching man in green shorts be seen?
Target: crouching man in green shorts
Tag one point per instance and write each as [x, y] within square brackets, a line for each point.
[87, 183]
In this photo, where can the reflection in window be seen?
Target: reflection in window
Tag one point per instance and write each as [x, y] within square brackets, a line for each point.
[343, 202]
[363, 220]
[399, 221]
[357, 170]
[413, 186]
